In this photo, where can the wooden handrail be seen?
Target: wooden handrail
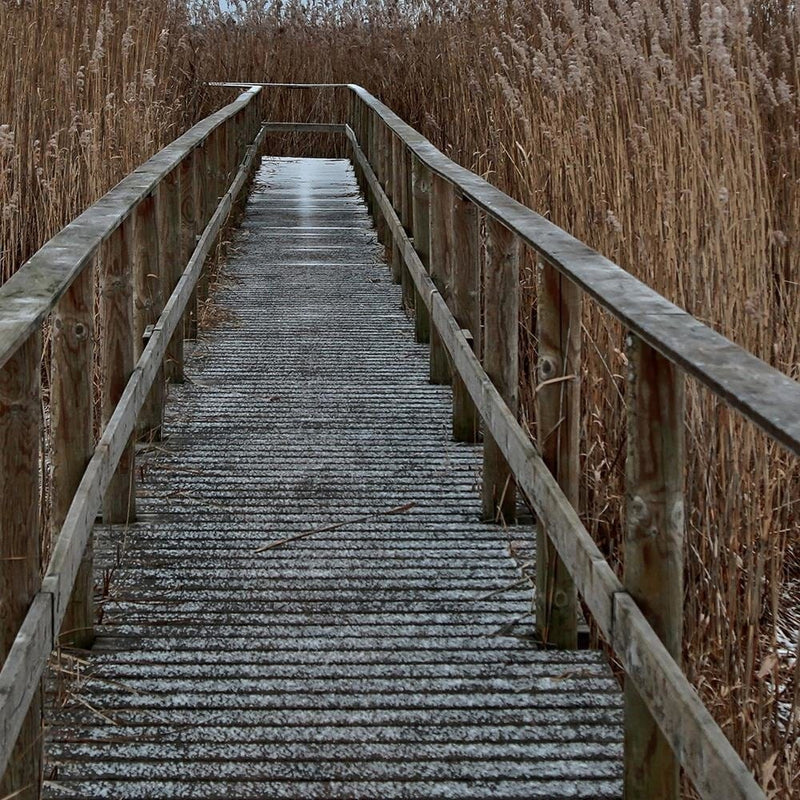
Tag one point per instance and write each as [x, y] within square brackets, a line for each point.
[150, 196]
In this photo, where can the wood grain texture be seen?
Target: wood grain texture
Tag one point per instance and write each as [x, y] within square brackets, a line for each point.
[20, 538]
[171, 265]
[117, 349]
[465, 301]
[654, 534]
[421, 230]
[190, 201]
[501, 361]
[441, 207]
[72, 435]
[558, 434]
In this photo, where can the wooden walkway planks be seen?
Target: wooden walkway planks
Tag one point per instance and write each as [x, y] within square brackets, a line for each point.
[374, 660]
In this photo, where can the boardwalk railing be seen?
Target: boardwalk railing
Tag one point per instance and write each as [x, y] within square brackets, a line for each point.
[428, 211]
[148, 240]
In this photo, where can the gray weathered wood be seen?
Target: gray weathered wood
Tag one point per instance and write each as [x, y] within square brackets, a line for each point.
[116, 341]
[714, 766]
[441, 207]
[407, 219]
[190, 193]
[22, 669]
[558, 430]
[148, 302]
[32, 292]
[654, 533]
[72, 435]
[501, 361]
[20, 542]
[169, 231]
[396, 197]
[421, 229]
[464, 235]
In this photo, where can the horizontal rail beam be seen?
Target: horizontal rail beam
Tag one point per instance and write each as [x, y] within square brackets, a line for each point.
[708, 757]
[29, 295]
[758, 391]
[22, 670]
[303, 127]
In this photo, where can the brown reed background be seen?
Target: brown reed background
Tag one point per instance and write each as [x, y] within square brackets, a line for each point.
[662, 132]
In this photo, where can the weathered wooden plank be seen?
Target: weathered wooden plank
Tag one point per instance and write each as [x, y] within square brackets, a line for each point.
[421, 229]
[116, 340]
[31, 293]
[190, 194]
[303, 127]
[20, 542]
[501, 361]
[67, 553]
[654, 533]
[72, 435]
[558, 409]
[396, 197]
[171, 266]
[148, 302]
[441, 207]
[715, 768]
[465, 261]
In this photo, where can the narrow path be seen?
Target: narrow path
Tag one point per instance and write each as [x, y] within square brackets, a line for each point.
[386, 658]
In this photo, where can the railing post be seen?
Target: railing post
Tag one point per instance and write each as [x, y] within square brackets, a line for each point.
[148, 303]
[466, 306]
[558, 425]
[654, 533]
[188, 185]
[116, 320]
[169, 232]
[501, 361]
[421, 226]
[397, 199]
[409, 298]
[204, 208]
[72, 436]
[441, 205]
[378, 167]
[20, 541]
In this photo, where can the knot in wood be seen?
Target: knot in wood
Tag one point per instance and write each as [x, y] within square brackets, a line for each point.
[547, 368]
[80, 331]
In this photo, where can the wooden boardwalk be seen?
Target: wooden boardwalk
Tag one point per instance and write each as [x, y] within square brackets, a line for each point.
[385, 655]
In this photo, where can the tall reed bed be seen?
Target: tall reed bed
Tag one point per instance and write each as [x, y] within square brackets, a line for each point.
[88, 90]
[665, 134]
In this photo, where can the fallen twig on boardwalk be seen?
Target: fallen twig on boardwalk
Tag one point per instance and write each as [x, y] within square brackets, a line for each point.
[337, 525]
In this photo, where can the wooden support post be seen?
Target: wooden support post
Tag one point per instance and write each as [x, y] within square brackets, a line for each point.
[203, 198]
[377, 163]
[148, 303]
[654, 534]
[188, 233]
[386, 146]
[501, 361]
[169, 251]
[397, 200]
[441, 206]
[116, 322]
[409, 299]
[558, 425]
[72, 436]
[421, 226]
[20, 541]
[466, 305]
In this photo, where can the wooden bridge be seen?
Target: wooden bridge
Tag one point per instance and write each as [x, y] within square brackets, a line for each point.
[320, 577]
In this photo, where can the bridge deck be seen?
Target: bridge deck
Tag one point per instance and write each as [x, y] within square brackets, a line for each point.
[386, 657]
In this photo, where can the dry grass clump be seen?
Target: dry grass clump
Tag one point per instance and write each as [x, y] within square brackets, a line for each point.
[88, 90]
[665, 134]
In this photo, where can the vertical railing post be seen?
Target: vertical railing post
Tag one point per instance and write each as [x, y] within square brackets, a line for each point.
[169, 251]
[188, 185]
[148, 303]
[409, 299]
[378, 167]
[441, 206]
[204, 198]
[558, 426]
[20, 541]
[421, 228]
[72, 436]
[465, 305]
[654, 534]
[116, 324]
[397, 200]
[501, 361]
